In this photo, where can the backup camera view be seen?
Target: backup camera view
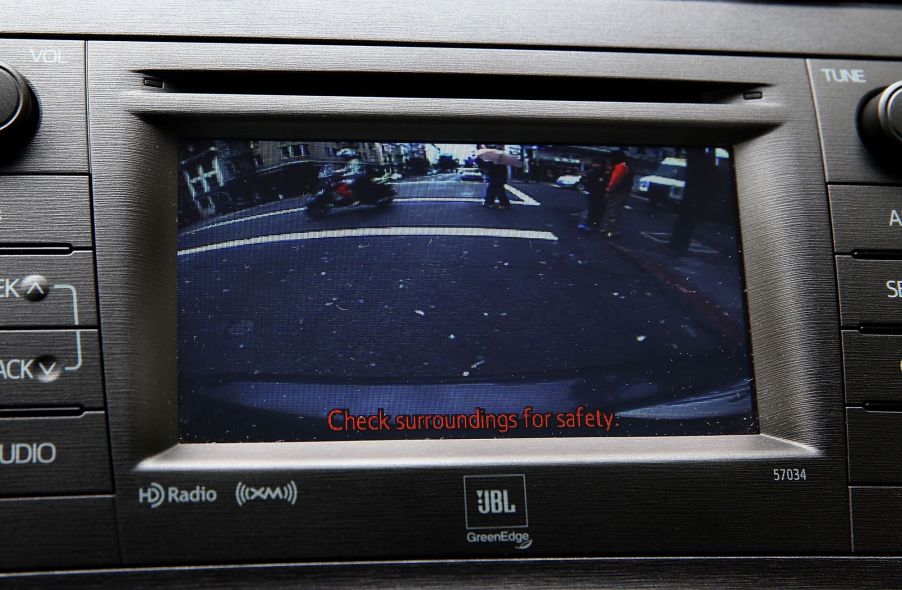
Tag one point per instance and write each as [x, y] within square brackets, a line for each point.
[346, 290]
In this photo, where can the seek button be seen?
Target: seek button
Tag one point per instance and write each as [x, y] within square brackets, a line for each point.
[870, 291]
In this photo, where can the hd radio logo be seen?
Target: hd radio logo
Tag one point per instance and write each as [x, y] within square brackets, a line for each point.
[245, 494]
[497, 502]
[155, 495]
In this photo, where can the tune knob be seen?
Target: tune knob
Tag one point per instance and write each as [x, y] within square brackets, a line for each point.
[17, 110]
[880, 121]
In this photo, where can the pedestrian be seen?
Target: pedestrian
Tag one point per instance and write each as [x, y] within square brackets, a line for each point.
[618, 189]
[534, 170]
[596, 183]
[495, 177]
[701, 176]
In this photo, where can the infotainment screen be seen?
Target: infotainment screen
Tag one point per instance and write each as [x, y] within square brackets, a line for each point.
[363, 290]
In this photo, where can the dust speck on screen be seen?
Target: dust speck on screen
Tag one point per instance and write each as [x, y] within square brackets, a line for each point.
[351, 290]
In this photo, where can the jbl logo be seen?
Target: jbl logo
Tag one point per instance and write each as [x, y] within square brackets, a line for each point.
[495, 501]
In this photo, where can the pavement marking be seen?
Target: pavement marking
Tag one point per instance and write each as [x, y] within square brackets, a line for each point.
[527, 200]
[664, 237]
[408, 182]
[524, 200]
[449, 200]
[468, 232]
[248, 218]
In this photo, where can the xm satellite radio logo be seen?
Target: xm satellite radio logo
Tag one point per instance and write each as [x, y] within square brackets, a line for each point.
[155, 495]
[286, 493]
[496, 505]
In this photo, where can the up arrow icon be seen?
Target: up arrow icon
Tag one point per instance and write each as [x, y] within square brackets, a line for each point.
[35, 286]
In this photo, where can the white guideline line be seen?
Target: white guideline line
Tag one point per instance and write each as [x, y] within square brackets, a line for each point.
[240, 219]
[527, 200]
[468, 232]
[447, 200]
[412, 182]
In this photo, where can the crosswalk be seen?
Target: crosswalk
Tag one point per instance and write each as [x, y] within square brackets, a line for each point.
[521, 199]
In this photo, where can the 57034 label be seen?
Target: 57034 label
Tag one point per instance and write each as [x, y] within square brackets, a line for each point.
[790, 474]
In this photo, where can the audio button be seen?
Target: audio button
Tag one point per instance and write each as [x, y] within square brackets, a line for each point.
[54, 455]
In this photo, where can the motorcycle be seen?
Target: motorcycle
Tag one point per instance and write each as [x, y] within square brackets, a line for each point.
[343, 193]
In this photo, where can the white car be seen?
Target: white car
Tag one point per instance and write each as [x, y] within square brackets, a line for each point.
[570, 181]
[666, 183]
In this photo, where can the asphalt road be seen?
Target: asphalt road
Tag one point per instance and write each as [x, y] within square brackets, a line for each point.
[476, 299]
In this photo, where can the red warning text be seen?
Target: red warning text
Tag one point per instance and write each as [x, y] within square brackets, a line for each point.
[529, 419]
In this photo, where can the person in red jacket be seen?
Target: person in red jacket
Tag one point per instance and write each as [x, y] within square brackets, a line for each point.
[618, 190]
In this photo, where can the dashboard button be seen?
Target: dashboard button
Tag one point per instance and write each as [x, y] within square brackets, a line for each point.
[866, 218]
[53, 532]
[40, 368]
[69, 302]
[38, 210]
[875, 447]
[877, 519]
[873, 367]
[43, 456]
[870, 291]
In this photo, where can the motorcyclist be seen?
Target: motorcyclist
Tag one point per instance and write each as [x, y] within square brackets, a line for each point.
[353, 164]
[353, 174]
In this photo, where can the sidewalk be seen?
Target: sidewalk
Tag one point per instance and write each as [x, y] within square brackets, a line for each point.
[711, 270]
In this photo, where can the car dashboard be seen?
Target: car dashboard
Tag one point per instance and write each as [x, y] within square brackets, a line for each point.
[519, 294]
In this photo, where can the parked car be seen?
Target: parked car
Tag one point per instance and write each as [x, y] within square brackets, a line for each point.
[665, 185]
[574, 181]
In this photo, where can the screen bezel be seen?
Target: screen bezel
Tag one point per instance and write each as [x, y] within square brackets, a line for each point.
[172, 130]
[787, 249]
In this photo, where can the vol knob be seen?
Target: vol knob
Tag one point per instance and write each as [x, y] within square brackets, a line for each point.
[880, 121]
[18, 111]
